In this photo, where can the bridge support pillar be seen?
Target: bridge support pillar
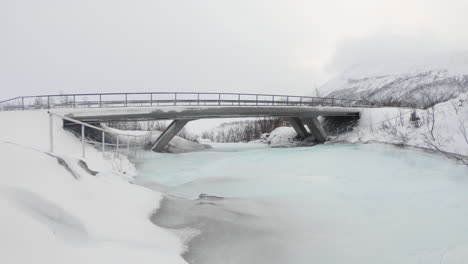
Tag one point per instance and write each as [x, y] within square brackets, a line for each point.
[316, 128]
[297, 124]
[168, 134]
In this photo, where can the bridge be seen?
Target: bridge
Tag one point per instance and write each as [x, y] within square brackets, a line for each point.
[300, 111]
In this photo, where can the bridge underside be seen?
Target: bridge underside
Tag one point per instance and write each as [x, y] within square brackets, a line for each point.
[315, 128]
[299, 117]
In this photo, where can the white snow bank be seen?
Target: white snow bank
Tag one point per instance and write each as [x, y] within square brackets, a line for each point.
[392, 125]
[31, 129]
[282, 137]
[51, 214]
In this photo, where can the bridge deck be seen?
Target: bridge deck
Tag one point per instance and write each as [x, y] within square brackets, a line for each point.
[180, 113]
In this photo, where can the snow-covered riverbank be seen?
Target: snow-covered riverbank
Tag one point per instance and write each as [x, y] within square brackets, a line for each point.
[442, 128]
[56, 212]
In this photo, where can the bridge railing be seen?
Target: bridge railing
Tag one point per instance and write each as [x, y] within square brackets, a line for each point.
[108, 141]
[106, 100]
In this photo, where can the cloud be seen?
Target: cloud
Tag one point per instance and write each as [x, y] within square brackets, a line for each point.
[390, 53]
[209, 45]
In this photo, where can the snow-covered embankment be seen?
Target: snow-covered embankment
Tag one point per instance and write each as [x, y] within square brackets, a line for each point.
[54, 211]
[442, 128]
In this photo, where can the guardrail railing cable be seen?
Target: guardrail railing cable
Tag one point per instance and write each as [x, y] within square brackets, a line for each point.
[130, 142]
[105, 100]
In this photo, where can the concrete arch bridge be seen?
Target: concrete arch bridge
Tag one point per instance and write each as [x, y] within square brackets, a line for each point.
[82, 109]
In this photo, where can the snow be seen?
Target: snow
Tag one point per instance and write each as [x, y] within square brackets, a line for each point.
[55, 214]
[54, 211]
[408, 87]
[392, 125]
[282, 137]
[197, 127]
[176, 145]
[31, 129]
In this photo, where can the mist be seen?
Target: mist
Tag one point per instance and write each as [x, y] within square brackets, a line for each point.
[212, 46]
[383, 54]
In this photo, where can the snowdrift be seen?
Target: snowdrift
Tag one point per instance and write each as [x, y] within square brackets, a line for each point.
[56, 211]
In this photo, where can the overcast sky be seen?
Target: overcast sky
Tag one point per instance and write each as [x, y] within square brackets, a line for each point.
[269, 46]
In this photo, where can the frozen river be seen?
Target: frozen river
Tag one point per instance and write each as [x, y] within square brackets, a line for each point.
[323, 204]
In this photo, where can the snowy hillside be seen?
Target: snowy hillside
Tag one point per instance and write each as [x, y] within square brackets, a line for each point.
[444, 128]
[399, 76]
[421, 88]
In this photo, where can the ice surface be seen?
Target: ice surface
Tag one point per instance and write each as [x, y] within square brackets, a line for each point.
[323, 204]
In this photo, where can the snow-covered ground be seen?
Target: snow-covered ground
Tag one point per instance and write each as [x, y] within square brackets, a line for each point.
[392, 125]
[448, 122]
[284, 137]
[54, 211]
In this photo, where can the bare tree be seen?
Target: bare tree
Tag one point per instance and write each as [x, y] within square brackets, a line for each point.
[434, 141]
[150, 126]
[242, 131]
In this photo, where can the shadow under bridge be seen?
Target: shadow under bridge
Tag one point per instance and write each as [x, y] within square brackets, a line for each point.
[299, 117]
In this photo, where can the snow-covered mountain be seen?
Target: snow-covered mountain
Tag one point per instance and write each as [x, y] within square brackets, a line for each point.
[419, 81]
[421, 88]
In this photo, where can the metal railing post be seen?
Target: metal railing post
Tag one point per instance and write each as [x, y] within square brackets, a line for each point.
[103, 142]
[128, 144]
[83, 154]
[18, 103]
[51, 134]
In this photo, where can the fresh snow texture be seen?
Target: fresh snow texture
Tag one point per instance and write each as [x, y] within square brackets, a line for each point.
[282, 137]
[54, 211]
